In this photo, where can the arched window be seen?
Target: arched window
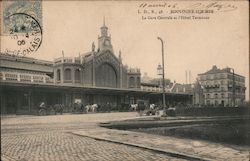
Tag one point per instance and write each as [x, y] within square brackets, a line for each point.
[67, 74]
[105, 76]
[77, 75]
[138, 81]
[131, 82]
[58, 74]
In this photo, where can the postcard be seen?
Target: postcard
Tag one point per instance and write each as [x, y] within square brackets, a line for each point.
[124, 80]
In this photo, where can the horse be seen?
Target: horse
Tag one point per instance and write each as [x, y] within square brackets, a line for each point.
[77, 108]
[94, 107]
[91, 108]
[87, 108]
[133, 107]
[58, 108]
[152, 106]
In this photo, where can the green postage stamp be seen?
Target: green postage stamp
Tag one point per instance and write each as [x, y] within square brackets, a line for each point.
[21, 26]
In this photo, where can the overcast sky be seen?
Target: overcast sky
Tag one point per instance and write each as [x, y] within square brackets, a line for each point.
[194, 45]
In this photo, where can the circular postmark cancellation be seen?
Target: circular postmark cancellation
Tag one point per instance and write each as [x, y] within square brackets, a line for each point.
[24, 34]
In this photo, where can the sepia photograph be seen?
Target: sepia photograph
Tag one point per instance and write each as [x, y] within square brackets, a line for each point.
[127, 80]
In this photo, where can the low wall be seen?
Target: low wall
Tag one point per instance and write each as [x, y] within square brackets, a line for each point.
[212, 111]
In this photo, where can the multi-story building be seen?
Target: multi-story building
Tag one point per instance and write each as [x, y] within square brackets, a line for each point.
[222, 87]
[193, 89]
[98, 76]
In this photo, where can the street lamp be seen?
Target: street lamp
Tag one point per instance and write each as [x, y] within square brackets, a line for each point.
[159, 72]
[163, 74]
[159, 69]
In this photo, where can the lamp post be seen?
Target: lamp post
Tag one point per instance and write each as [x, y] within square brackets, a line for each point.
[159, 72]
[163, 74]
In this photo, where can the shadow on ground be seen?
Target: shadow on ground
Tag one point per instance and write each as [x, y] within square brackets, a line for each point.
[230, 130]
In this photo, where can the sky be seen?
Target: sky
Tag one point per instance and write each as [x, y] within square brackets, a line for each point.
[194, 45]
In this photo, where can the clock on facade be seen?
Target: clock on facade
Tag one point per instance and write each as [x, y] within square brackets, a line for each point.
[106, 42]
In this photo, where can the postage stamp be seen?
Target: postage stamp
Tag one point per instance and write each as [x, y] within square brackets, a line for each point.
[21, 26]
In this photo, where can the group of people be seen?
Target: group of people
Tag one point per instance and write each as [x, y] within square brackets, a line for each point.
[80, 108]
[59, 108]
[45, 110]
[136, 107]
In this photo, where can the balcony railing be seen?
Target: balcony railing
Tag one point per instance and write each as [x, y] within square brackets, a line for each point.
[28, 78]
[60, 60]
[77, 81]
[154, 89]
[212, 86]
[10, 76]
[134, 70]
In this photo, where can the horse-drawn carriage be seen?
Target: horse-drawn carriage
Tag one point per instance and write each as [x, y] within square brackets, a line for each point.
[91, 108]
[50, 110]
[143, 109]
[80, 108]
[77, 108]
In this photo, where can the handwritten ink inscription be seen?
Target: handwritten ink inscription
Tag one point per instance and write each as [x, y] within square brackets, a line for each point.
[182, 11]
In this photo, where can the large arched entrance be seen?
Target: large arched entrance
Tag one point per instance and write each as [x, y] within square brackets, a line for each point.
[106, 76]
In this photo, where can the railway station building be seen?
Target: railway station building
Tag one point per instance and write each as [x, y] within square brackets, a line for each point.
[98, 76]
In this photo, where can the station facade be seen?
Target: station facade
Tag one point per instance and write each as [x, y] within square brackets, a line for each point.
[98, 76]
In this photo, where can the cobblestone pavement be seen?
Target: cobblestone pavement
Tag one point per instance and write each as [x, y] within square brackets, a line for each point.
[42, 138]
[184, 148]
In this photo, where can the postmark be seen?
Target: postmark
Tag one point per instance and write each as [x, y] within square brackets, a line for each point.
[22, 29]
